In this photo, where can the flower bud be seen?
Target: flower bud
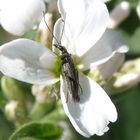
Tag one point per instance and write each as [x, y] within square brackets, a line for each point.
[43, 94]
[44, 34]
[127, 80]
[15, 112]
[45, 101]
[138, 9]
[11, 89]
[119, 14]
[127, 77]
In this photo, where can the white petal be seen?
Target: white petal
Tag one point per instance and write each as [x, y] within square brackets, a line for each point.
[138, 9]
[110, 43]
[27, 61]
[85, 22]
[58, 27]
[105, 0]
[60, 36]
[49, 1]
[108, 68]
[94, 111]
[18, 16]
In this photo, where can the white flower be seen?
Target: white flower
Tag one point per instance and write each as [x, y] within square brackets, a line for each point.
[31, 62]
[18, 16]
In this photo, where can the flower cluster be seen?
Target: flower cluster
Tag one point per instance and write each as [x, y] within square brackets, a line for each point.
[90, 43]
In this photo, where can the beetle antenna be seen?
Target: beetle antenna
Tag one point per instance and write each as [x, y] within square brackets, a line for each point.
[49, 28]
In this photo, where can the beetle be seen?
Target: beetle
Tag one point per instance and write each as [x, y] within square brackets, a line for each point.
[69, 73]
[68, 70]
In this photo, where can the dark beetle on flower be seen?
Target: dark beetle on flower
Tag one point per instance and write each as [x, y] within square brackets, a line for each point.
[69, 72]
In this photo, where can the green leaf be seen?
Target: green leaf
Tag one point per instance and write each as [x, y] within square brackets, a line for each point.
[48, 130]
[6, 128]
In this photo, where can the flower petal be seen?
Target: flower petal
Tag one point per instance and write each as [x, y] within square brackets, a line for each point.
[60, 36]
[94, 111]
[58, 27]
[108, 68]
[110, 43]
[105, 0]
[18, 16]
[85, 22]
[27, 61]
[138, 9]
